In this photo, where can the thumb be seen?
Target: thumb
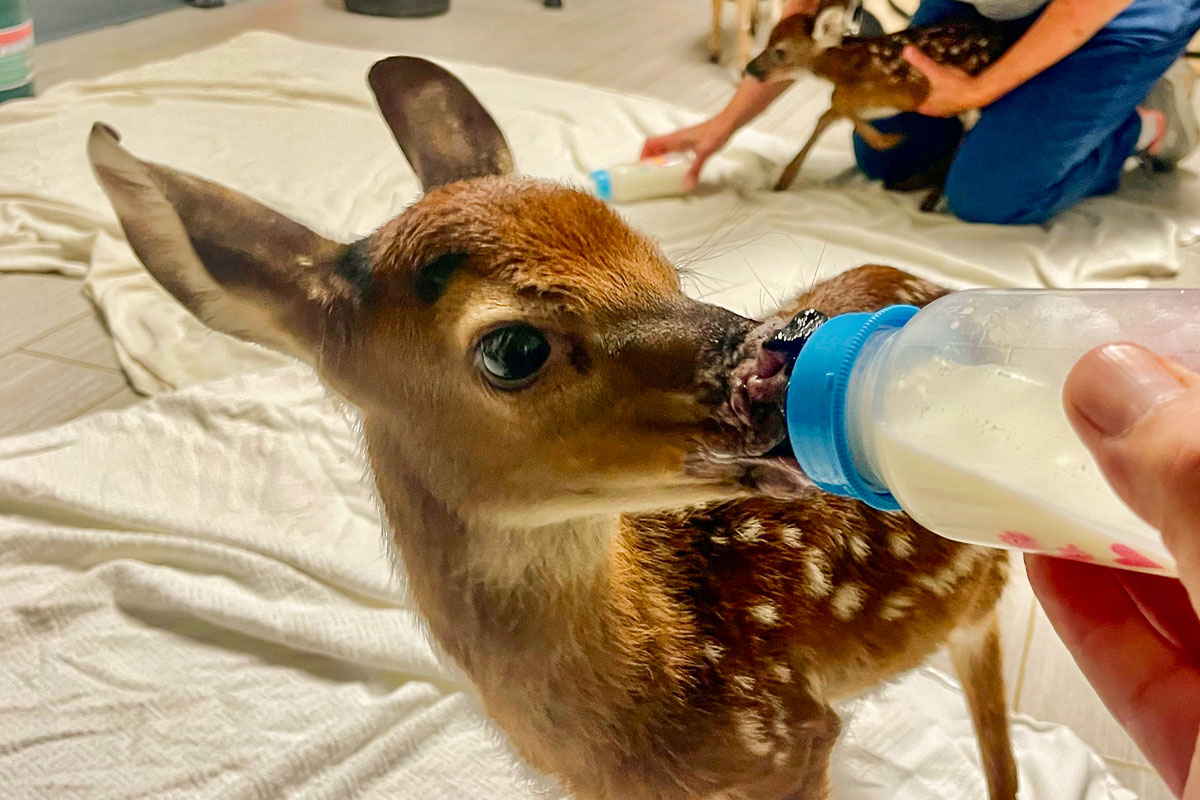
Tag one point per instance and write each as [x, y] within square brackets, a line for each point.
[923, 63]
[656, 146]
[1137, 412]
[693, 175]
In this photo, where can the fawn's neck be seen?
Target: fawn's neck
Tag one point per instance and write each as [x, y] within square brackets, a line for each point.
[491, 588]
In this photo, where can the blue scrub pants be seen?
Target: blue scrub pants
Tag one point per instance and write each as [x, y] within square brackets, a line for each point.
[1060, 137]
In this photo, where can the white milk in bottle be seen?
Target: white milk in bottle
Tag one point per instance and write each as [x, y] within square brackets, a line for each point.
[662, 176]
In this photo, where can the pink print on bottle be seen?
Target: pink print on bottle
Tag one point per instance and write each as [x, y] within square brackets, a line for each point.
[1128, 557]
[1075, 554]
[1022, 541]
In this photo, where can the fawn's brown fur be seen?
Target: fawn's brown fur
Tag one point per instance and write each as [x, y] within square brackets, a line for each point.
[870, 77]
[595, 547]
[749, 13]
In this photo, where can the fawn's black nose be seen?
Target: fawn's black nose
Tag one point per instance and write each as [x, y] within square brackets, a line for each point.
[789, 340]
[755, 70]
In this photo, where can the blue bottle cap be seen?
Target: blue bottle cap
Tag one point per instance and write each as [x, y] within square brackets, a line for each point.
[603, 181]
[816, 403]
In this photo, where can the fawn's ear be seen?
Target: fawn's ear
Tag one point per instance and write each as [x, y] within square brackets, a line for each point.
[238, 266]
[829, 28]
[445, 133]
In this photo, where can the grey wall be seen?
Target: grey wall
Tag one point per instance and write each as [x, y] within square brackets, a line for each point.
[55, 18]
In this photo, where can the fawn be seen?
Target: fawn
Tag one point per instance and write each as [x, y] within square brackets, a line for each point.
[749, 14]
[577, 465]
[870, 77]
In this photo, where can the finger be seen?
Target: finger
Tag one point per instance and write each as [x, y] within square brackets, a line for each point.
[692, 179]
[930, 110]
[1136, 412]
[1147, 685]
[657, 146]
[1165, 605]
[923, 63]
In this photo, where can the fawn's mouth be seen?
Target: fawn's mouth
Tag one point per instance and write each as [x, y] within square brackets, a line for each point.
[755, 411]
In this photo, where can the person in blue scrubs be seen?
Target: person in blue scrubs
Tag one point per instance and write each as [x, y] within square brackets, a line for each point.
[1086, 85]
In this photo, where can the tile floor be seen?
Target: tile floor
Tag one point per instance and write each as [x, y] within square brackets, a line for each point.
[56, 360]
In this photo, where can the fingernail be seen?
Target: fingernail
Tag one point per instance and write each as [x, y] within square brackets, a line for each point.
[1115, 386]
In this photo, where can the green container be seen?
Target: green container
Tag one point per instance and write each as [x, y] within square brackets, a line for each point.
[16, 51]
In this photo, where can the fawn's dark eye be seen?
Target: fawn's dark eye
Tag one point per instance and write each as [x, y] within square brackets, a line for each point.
[512, 356]
[780, 52]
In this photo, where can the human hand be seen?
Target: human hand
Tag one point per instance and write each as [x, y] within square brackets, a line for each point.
[1135, 636]
[951, 91]
[703, 140]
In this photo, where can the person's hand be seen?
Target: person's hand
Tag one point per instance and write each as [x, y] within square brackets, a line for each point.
[1136, 636]
[703, 140]
[951, 91]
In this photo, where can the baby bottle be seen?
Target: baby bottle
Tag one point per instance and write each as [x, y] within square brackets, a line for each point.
[954, 415]
[662, 176]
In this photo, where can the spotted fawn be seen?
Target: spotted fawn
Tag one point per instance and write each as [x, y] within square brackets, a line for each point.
[870, 77]
[578, 465]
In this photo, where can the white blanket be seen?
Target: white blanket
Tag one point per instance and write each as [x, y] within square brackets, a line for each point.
[196, 597]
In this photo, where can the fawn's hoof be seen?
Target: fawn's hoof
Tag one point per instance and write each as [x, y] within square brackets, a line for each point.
[714, 58]
[932, 200]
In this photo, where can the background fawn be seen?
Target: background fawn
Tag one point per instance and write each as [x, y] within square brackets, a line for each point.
[870, 77]
[576, 461]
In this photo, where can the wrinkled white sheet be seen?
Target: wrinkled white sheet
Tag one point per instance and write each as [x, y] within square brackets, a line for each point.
[195, 595]
[294, 125]
[196, 602]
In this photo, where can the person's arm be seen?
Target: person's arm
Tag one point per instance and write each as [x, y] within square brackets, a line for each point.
[1063, 27]
[751, 99]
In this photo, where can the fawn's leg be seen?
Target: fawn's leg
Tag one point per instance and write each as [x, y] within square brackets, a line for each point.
[874, 139]
[803, 771]
[714, 36]
[790, 171]
[745, 40]
[976, 655]
[813, 773]
[932, 197]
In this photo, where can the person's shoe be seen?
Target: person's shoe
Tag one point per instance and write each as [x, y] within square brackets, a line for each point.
[1169, 105]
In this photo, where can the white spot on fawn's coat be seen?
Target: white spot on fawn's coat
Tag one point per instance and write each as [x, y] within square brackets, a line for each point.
[900, 543]
[791, 536]
[752, 733]
[750, 531]
[896, 606]
[713, 652]
[848, 601]
[942, 582]
[765, 614]
[860, 548]
[816, 574]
